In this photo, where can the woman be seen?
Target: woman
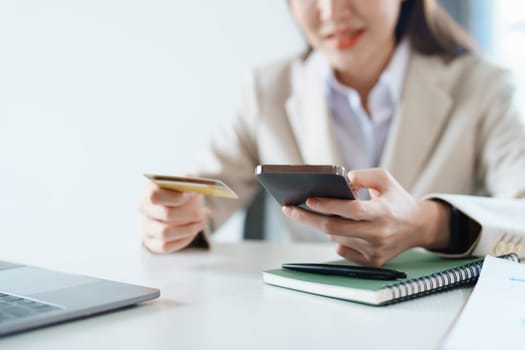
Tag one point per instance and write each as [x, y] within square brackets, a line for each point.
[390, 84]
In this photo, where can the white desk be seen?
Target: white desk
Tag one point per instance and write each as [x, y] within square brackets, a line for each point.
[217, 300]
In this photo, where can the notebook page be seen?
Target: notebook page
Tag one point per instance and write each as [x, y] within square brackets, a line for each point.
[494, 316]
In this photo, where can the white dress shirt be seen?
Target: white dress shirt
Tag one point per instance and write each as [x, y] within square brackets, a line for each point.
[361, 136]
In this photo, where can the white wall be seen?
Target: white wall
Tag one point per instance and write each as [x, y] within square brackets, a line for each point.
[507, 50]
[94, 93]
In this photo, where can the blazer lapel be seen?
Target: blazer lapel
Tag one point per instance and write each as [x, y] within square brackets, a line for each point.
[423, 113]
[309, 114]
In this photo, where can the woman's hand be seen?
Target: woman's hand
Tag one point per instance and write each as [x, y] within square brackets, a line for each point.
[170, 220]
[371, 232]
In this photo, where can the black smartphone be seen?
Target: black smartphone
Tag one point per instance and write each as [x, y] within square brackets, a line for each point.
[293, 184]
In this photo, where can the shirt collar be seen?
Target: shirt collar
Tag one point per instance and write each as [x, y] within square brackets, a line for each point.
[393, 77]
[394, 74]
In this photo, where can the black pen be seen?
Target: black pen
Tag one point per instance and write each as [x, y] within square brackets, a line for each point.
[376, 273]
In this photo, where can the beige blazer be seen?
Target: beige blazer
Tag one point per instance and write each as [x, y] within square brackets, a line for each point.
[456, 136]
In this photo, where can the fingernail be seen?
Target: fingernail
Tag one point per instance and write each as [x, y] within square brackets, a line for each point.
[287, 210]
[311, 202]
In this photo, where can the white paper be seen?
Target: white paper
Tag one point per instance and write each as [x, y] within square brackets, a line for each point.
[494, 316]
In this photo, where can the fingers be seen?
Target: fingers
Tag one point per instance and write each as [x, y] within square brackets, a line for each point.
[192, 212]
[359, 245]
[159, 196]
[350, 209]
[160, 237]
[331, 225]
[354, 255]
[170, 220]
[189, 208]
[160, 230]
[376, 179]
[351, 254]
[362, 252]
[159, 246]
[368, 243]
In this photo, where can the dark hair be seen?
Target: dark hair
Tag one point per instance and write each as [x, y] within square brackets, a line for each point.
[431, 30]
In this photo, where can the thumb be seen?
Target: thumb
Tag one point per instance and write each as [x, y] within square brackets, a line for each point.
[376, 179]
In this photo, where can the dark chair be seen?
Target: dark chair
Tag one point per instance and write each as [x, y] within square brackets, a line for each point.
[254, 220]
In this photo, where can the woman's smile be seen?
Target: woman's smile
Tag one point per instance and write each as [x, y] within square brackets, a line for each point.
[344, 38]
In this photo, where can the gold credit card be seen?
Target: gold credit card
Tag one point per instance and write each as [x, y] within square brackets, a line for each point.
[208, 187]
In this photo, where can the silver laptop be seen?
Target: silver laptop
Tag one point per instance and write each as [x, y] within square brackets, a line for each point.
[32, 297]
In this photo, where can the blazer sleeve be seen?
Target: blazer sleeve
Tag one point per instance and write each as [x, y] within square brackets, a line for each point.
[232, 156]
[501, 173]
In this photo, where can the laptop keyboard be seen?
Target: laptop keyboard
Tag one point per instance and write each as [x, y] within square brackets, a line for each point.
[13, 307]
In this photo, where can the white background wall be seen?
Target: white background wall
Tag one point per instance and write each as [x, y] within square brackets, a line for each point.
[509, 39]
[93, 93]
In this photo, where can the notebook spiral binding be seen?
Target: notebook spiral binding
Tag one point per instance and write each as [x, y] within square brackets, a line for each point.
[440, 281]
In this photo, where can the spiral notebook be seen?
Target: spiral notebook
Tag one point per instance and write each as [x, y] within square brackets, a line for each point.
[426, 274]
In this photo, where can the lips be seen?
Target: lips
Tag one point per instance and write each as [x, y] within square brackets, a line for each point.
[344, 38]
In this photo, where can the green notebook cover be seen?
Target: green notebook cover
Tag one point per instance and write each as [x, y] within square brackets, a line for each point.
[426, 273]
